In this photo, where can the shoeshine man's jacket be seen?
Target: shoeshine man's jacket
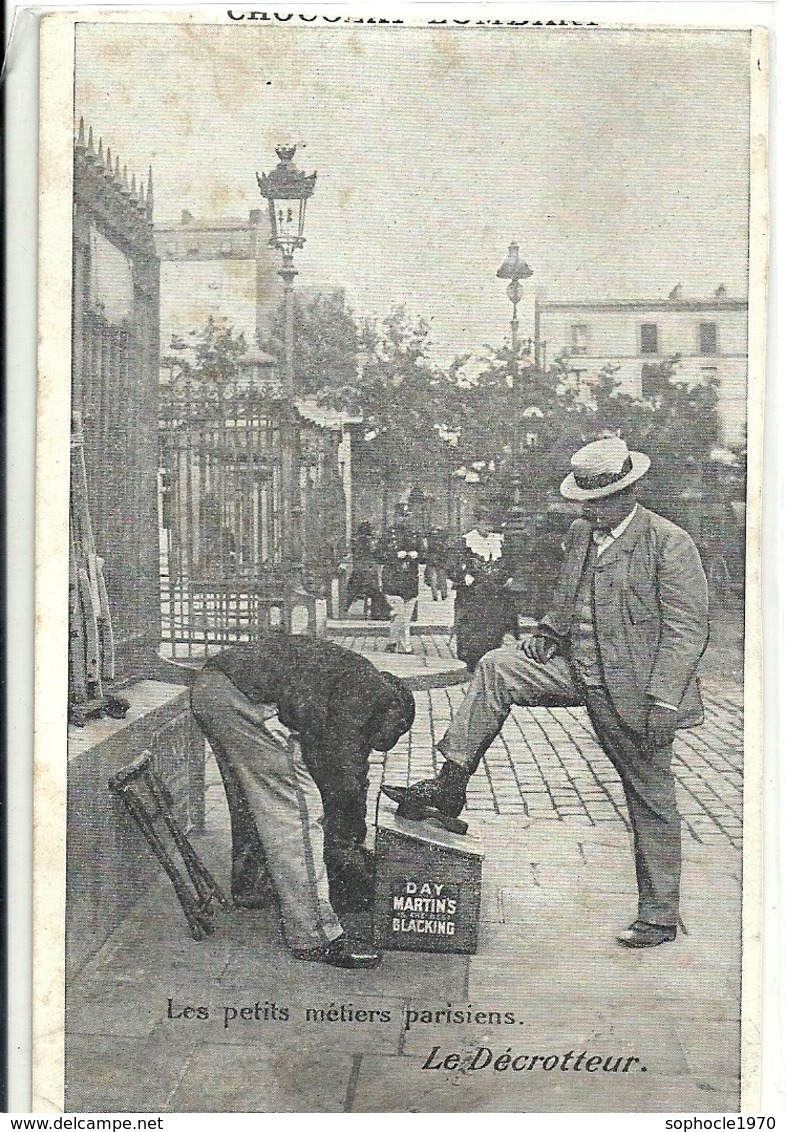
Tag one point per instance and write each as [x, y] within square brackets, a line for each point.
[335, 700]
[650, 611]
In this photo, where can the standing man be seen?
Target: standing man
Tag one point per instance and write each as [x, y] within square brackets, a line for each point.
[625, 636]
[292, 721]
[400, 554]
[437, 557]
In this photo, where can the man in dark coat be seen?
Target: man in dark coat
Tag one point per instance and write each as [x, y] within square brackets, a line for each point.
[400, 553]
[292, 721]
[437, 558]
[364, 582]
[624, 637]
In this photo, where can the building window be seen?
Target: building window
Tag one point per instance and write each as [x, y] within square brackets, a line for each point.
[648, 338]
[579, 338]
[654, 379]
[708, 337]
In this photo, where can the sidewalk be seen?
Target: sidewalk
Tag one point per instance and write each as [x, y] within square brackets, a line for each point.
[553, 895]
[556, 888]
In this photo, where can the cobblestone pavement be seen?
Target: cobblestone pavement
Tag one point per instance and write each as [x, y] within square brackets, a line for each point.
[548, 759]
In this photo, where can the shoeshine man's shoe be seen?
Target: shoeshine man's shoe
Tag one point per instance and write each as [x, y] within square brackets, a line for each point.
[341, 952]
[642, 934]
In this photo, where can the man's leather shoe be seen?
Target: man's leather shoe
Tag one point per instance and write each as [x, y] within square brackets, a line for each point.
[642, 934]
[341, 952]
[446, 793]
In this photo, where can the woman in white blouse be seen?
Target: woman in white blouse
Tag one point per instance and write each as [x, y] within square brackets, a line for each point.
[485, 610]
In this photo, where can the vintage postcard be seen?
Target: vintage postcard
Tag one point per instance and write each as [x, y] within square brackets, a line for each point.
[398, 738]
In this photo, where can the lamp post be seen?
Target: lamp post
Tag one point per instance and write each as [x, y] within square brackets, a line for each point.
[515, 269]
[287, 190]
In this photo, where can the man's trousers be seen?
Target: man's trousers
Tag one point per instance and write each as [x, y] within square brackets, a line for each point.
[436, 579]
[401, 620]
[275, 810]
[505, 677]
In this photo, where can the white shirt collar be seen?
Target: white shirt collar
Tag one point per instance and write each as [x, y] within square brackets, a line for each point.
[485, 546]
[609, 537]
[626, 522]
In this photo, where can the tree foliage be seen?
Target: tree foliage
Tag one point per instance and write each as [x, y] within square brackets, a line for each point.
[210, 354]
[325, 347]
[495, 411]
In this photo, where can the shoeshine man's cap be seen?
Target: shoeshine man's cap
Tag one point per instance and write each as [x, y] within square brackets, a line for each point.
[603, 468]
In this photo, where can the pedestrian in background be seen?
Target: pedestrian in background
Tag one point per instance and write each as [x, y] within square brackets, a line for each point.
[364, 583]
[401, 553]
[437, 555]
[485, 610]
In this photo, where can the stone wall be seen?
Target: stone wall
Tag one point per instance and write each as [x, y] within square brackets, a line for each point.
[109, 864]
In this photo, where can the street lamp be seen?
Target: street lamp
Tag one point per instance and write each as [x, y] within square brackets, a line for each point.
[287, 190]
[515, 269]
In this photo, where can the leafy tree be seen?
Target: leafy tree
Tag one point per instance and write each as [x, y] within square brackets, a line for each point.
[398, 396]
[211, 354]
[496, 412]
[326, 340]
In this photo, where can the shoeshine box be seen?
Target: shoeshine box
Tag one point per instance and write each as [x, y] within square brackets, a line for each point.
[427, 886]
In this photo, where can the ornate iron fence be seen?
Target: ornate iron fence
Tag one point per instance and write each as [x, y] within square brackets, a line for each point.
[220, 516]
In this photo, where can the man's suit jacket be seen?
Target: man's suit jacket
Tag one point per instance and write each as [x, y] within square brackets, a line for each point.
[650, 610]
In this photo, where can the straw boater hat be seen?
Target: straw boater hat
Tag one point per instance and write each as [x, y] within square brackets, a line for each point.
[603, 468]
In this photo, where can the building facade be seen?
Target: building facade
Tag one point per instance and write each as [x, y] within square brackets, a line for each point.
[710, 335]
[222, 267]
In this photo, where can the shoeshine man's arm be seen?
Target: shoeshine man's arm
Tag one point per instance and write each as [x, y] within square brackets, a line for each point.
[341, 768]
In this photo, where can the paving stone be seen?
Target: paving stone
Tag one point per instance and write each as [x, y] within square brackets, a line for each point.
[418, 972]
[125, 1074]
[125, 1009]
[718, 1058]
[263, 1078]
[402, 1085]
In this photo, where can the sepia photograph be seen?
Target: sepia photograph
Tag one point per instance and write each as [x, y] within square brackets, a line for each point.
[399, 446]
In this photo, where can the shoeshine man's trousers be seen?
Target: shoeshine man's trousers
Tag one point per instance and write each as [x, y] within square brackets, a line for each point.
[275, 810]
[505, 677]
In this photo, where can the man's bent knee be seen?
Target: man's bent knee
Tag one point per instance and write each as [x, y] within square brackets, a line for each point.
[494, 660]
[525, 682]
